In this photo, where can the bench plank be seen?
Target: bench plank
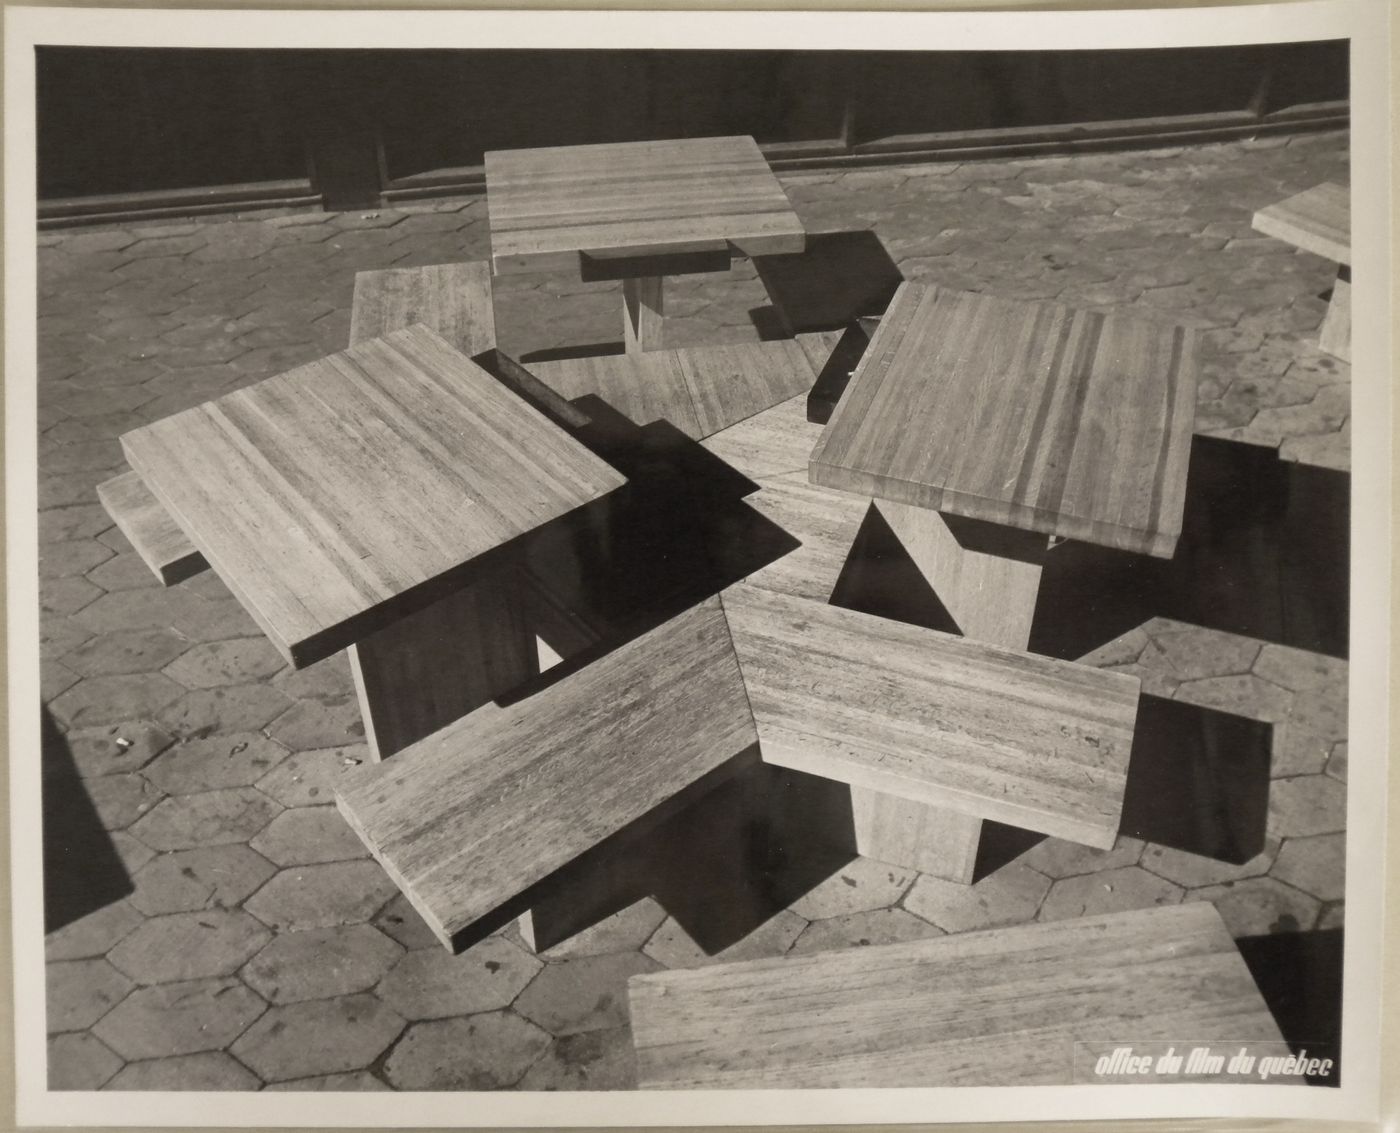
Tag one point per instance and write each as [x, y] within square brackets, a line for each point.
[974, 728]
[475, 814]
[1002, 1007]
[1318, 220]
[148, 527]
[452, 299]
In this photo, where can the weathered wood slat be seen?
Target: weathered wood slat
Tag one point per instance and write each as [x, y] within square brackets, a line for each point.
[1335, 333]
[452, 299]
[700, 391]
[1032, 415]
[772, 443]
[548, 206]
[336, 497]
[478, 812]
[998, 1008]
[1318, 220]
[826, 522]
[934, 718]
[148, 527]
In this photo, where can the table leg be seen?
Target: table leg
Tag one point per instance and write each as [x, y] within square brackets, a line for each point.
[1335, 336]
[987, 577]
[642, 313]
[433, 666]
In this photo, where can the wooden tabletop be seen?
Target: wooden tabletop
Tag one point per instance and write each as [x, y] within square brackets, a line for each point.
[934, 718]
[548, 207]
[701, 391]
[331, 499]
[1032, 415]
[1318, 220]
[997, 1008]
[474, 814]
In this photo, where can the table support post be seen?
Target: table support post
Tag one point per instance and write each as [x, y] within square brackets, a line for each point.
[642, 313]
[434, 666]
[988, 577]
[1335, 336]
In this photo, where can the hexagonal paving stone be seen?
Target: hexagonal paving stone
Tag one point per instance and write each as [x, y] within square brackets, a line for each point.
[1309, 804]
[320, 896]
[93, 934]
[73, 557]
[210, 819]
[433, 984]
[1315, 865]
[212, 1070]
[190, 946]
[856, 930]
[1011, 895]
[127, 651]
[1194, 870]
[628, 929]
[592, 1060]
[484, 1052]
[586, 994]
[324, 1036]
[1323, 713]
[308, 835]
[1260, 905]
[360, 1081]
[179, 1018]
[236, 759]
[113, 700]
[80, 992]
[309, 778]
[79, 1062]
[1337, 762]
[1057, 858]
[320, 963]
[1297, 751]
[1194, 652]
[137, 609]
[126, 571]
[1298, 669]
[134, 854]
[328, 681]
[402, 921]
[121, 799]
[857, 886]
[237, 708]
[113, 749]
[1333, 916]
[203, 620]
[1112, 891]
[673, 947]
[207, 877]
[66, 595]
[1243, 695]
[309, 724]
[216, 663]
[54, 678]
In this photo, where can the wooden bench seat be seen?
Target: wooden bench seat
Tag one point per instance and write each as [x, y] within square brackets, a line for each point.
[701, 391]
[1318, 220]
[972, 728]
[148, 527]
[996, 1008]
[455, 300]
[471, 817]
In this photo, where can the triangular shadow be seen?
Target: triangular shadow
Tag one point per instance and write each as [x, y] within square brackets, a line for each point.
[880, 578]
[1299, 974]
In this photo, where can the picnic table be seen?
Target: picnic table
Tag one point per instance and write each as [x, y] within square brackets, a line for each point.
[636, 211]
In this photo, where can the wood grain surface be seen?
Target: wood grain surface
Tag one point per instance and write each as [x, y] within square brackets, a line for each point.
[772, 443]
[148, 527]
[333, 498]
[935, 718]
[1335, 333]
[1032, 415]
[914, 835]
[548, 206]
[997, 1008]
[1318, 220]
[700, 391]
[452, 299]
[478, 812]
[435, 665]
[826, 523]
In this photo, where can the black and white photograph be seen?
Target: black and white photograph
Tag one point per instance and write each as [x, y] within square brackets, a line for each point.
[590, 566]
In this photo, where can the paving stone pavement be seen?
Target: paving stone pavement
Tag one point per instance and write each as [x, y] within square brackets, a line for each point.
[261, 947]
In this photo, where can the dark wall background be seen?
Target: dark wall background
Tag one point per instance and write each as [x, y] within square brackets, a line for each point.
[351, 126]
